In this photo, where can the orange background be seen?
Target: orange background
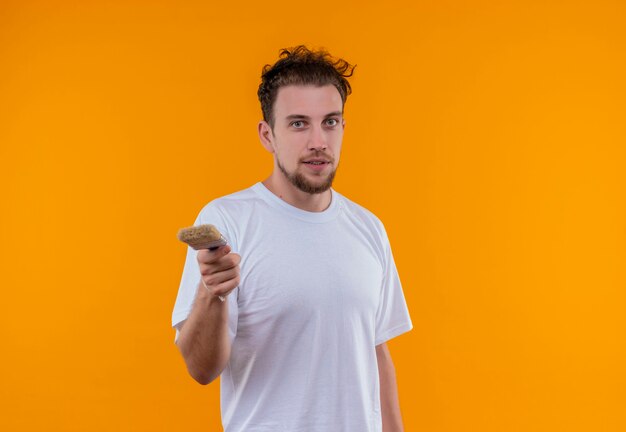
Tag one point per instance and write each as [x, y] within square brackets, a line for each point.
[488, 136]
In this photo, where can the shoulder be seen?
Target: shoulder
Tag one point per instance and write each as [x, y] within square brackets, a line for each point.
[370, 227]
[234, 203]
[361, 215]
[230, 214]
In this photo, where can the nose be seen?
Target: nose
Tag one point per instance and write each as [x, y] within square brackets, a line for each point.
[317, 139]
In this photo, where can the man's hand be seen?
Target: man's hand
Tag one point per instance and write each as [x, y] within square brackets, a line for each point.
[219, 270]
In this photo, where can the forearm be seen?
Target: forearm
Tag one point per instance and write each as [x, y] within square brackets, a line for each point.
[389, 401]
[203, 341]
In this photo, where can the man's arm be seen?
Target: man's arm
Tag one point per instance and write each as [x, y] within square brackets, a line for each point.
[389, 403]
[203, 341]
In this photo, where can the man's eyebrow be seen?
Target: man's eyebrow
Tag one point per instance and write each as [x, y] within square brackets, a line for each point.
[305, 117]
[297, 116]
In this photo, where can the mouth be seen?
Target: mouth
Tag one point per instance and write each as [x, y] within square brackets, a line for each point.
[316, 161]
[316, 165]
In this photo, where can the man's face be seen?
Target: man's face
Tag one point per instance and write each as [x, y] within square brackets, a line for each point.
[306, 141]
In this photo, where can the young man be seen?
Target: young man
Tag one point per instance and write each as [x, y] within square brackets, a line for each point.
[312, 289]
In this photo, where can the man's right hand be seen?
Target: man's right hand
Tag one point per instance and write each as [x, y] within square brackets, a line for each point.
[219, 270]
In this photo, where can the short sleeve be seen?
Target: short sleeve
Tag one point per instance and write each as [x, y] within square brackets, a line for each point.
[392, 315]
[190, 279]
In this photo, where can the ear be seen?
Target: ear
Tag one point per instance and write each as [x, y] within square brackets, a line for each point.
[343, 122]
[266, 136]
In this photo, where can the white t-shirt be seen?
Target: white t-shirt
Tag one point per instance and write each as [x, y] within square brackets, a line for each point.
[318, 292]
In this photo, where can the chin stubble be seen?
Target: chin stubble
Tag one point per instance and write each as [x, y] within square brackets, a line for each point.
[299, 181]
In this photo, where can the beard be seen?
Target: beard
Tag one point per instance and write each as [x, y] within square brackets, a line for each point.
[298, 180]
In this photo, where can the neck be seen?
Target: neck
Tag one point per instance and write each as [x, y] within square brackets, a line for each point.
[297, 198]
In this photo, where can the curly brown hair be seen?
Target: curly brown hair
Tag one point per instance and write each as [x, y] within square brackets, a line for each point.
[302, 66]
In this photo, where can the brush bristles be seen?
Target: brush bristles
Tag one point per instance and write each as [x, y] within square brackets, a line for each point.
[201, 236]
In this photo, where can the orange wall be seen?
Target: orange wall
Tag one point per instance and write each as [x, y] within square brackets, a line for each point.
[488, 136]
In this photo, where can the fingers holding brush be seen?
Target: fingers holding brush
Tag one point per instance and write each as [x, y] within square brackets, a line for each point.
[219, 270]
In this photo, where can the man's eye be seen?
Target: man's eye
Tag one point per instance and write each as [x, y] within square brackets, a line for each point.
[297, 124]
[331, 122]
